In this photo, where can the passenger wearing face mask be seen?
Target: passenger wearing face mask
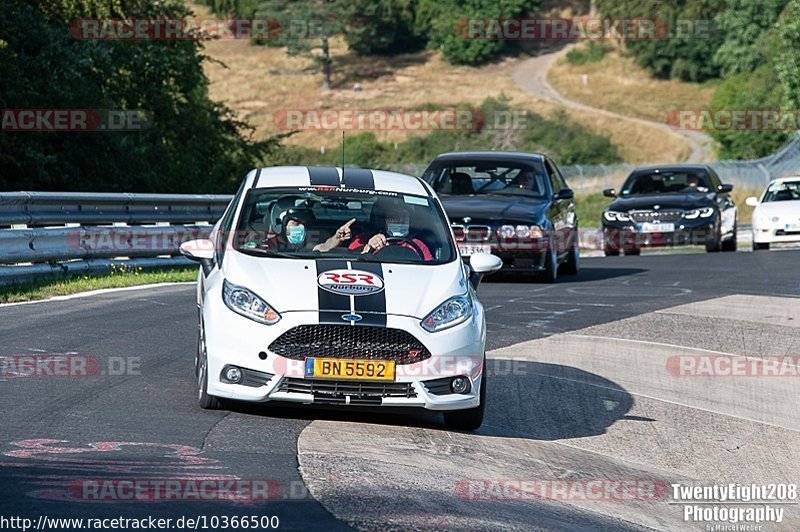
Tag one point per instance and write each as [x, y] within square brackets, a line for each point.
[394, 222]
[293, 236]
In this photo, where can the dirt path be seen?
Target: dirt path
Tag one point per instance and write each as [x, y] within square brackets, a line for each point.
[531, 75]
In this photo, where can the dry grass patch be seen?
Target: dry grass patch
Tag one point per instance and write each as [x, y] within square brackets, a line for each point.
[617, 84]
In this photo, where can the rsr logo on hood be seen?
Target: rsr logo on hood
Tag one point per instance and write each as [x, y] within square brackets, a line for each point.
[350, 282]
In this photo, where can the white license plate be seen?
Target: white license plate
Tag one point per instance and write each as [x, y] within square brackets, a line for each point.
[470, 249]
[656, 228]
[792, 227]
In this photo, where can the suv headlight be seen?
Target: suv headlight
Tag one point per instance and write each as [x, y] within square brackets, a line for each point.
[615, 216]
[244, 302]
[455, 310]
[702, 213]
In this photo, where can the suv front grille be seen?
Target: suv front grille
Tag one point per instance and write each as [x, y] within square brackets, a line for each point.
[351, 342]
[656, 216]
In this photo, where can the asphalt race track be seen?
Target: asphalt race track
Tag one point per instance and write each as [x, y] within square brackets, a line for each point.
[584, 384]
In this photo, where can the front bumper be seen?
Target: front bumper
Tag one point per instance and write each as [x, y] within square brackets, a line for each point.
[772, 234]
[627, 236]
[235, 340]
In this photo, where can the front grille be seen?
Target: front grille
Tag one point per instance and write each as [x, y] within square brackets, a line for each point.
[335, 391]
[472, 233]
[656, 216]
[352, 342]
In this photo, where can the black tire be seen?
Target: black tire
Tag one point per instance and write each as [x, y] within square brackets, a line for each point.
[612, 252]
[472, 418]
[758, 246]
[713, 246]
[573, 263]
[206, 402]
[550, 265]
[730, 244]
[633, 251]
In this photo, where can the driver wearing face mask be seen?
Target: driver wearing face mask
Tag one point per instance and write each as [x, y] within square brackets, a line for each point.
[395, 223]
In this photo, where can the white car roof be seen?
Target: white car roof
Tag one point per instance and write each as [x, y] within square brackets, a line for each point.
[785, 179]
[351, 178]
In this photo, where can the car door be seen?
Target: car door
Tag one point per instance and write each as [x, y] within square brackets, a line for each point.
[558, 211]
[725, 205]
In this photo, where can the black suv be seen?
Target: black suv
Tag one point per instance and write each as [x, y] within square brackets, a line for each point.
[668, 205]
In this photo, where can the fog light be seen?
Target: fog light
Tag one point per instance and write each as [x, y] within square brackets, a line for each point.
[460, 385]
[233, 374]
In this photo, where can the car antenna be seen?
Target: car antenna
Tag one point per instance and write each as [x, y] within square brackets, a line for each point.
[343, 156]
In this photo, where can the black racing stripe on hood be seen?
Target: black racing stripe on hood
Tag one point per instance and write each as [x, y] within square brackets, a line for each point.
[331, 306]
[323, 176]
[372, 308]
[358, 178]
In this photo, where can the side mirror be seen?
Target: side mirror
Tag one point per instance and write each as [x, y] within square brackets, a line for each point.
[725, 188]
[752, 201]
[481, 264]
[564, 194]
[200, 250]
[610, 193]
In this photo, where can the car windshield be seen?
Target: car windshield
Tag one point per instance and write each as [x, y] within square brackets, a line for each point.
[520, 179]
[785, 191]
[326, 222]
[667, 182]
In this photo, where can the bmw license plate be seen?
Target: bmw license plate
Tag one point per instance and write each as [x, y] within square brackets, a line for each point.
[361, 370]
[470, 249]
[656, 228]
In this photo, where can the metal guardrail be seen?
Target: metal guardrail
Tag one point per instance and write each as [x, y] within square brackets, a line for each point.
[51, 233]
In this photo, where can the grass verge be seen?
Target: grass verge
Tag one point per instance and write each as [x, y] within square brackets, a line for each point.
[117, 277]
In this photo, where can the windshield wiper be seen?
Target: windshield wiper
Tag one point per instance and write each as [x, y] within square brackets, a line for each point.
[269, 253]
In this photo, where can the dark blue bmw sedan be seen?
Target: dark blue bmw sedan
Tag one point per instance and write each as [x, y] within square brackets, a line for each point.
[514, 205]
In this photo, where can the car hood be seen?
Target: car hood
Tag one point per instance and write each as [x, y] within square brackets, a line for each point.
[494, 207]
[292, 284]
[782, 209]
[665, 201]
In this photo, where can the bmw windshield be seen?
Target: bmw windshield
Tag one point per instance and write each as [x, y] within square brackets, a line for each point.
[523, 179]
[667, 182]
[375, 226]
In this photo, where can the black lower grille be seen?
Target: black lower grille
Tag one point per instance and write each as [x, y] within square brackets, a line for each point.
[438, 386]
[337, 389]
[255, 379]
[656, 216]
[348, 341]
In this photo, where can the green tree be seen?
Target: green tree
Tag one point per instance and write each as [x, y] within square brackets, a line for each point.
[307, 26]
[787, 62]
[743, 24]
[193, 144]
[384, 27]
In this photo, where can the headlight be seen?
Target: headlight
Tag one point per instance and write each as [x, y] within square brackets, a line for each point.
[524, 231]
[506, 231]
[455, 310]
[244, 302]
[702, 213]
[614, 216]
[775, 219]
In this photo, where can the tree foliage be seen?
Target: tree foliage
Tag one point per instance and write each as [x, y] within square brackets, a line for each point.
[194, 144]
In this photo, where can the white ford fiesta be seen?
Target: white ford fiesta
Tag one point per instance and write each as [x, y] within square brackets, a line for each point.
[776, 216]
[326, 286]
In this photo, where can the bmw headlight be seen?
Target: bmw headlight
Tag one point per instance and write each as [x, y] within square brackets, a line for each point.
[702, 213]
[455, 310]
[615, 216]
[244, 302]
[506, 231]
